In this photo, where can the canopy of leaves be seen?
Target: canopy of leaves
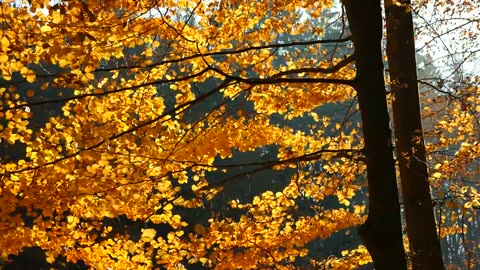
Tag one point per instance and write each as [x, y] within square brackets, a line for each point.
[153, 97]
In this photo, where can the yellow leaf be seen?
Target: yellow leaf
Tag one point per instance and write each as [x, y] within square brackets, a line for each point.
[148, 235]
[476, 203]
[359, 209]
[5, 43]
[30, 77]
[71, 219]
[45, 28]
[199, 229]
[168, 207]
[63, 62]
[156, 219]
[56, 18]
[30, 93]
[89, 76]
[89, 68]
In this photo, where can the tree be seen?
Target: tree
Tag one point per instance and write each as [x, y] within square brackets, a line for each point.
[382, 232]
[444, 97]
[420, 220]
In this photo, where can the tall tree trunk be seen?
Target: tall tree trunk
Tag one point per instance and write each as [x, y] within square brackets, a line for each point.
[382, 232]
[421, 229]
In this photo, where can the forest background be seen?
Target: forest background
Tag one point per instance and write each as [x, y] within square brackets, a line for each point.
[239, 134]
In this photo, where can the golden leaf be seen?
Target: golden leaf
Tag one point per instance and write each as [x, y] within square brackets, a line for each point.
[30, 93]
[45, 28]
[199, 229]
[5, 43]
[50, 259]
[148, 235]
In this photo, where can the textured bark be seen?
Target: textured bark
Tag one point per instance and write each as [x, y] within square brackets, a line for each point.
[421, 228]
[382, 232]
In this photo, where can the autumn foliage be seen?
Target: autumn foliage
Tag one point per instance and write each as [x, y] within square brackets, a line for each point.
[140, 113]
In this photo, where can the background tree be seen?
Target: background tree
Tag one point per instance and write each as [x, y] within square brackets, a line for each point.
[449, 39]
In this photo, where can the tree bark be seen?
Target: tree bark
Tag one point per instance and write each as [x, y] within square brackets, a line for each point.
[421, 228]
[382, 232]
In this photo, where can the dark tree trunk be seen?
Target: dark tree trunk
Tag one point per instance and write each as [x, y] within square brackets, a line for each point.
[421, 229]
[382, 232]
